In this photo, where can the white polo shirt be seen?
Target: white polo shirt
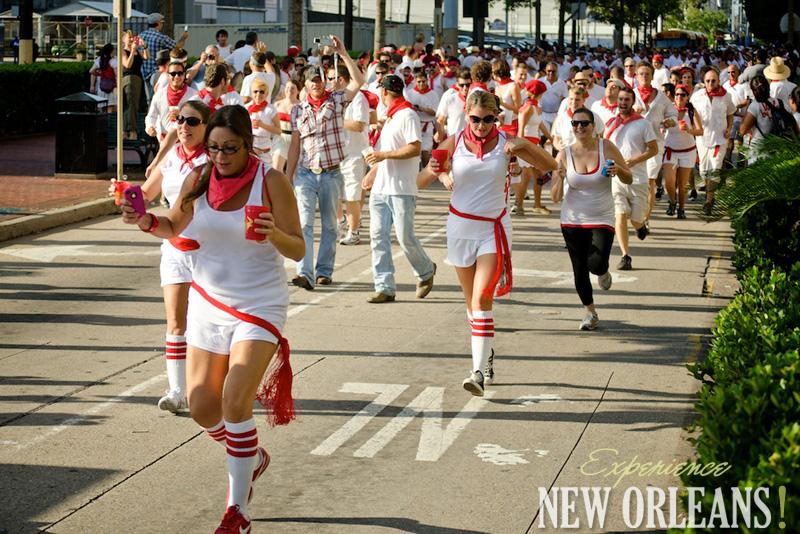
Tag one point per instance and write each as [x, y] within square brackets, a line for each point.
[659, 109]
[632, 139]
[714, 116]
[452, 108]
[398, 176]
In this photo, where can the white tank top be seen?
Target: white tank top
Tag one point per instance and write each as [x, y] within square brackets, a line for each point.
[508, 115]
[174, 173]
[246, 275]
[479, 188]
[532, 126]
[677, 139]
[587, 197]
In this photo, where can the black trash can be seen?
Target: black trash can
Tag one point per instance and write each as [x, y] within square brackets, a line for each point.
[81, 134]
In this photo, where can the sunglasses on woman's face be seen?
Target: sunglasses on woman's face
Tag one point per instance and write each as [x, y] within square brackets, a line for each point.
[191, 121]
[488, 119]
[681, 94]
[259, 91]
[584, 124]
[228, 150]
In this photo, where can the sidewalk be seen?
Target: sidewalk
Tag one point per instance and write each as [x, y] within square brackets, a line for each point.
[32, 200]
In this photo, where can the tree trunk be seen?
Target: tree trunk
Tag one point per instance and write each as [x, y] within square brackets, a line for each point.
[348, 24]
[538, 22]
[562, 8]
[619, 26]
[296, 22]
[380, 28]
[165, 8]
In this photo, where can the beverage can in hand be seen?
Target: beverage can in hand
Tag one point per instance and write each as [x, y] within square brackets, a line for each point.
[606, 165]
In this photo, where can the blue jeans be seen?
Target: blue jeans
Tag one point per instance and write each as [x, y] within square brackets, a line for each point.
[385, 210]
[310, 188]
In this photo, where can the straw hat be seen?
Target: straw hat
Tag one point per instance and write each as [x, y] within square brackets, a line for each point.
[777, 70]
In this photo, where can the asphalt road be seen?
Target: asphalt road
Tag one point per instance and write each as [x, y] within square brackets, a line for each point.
[387, 440]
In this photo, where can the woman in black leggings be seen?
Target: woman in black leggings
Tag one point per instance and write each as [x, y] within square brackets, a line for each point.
[587, 211]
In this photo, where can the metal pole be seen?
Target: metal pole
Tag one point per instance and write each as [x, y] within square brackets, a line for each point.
[120, 114]
[348, 24]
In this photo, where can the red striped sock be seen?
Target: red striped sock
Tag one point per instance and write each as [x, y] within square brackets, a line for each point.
[176, 362]
[242, 448]
[217, 433]
[482, 338]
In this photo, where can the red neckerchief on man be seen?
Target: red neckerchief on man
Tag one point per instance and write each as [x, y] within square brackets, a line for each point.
[449, 74]
[570, 113]
[470, 136]
[719, 91]
[618, 121]
[316, 104]
[647, 94]
[174, 97]
[396, 105]
[213, 103]
[478, 85]
[611, 107]
[255, 108]
[187, 159]
[223, 188]
[505, 81]
[732, 82]
[428, 90]
[372, 98]
[408, 80]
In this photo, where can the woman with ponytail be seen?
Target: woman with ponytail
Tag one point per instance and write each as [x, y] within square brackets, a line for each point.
[238, 299]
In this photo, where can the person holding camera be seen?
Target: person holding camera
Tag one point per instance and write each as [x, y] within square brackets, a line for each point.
[316, 152]
[134, 53]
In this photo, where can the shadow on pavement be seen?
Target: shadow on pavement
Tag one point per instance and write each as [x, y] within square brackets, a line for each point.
[403, 524]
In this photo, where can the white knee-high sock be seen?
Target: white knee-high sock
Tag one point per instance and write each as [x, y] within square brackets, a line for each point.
[482, 338]
[217, 433]
[176, 362]
[242, 447]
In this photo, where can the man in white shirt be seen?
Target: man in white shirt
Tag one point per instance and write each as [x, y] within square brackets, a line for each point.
[636, 140]
[217, 92]
[450, 114]
[473, 57]
[393, 197]
[740, 94]
[557, 91]
[262, 69]
[239, 58]
[654, 106]
[356, 129]
[223, 48]
[630, 72]
[779, 87]
[716, 111]
[425, 101]
[562, 133]
[606, 107]
[660, 72]
[164, 107]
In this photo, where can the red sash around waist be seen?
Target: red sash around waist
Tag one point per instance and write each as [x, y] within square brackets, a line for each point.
[184, 244]
[275, 391]
[510, 128]
[502, 278]
[668, 152]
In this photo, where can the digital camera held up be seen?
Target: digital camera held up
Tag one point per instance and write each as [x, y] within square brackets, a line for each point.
[325, 40]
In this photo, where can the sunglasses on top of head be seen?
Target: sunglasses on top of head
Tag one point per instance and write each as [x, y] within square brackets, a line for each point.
[488, 119]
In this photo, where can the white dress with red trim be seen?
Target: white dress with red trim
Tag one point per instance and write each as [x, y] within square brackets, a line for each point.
[588, 201]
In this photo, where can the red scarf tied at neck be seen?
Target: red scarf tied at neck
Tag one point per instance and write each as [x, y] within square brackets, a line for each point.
[316, 104]
[505, 81]
[174, 97]
[605, 104]
[255, 108]
[478, 85]
[647, 93]
[428, 90]
[396, 105]
[187, 159]
[223, 188]
[213, 103]
[480, 142]
[618, 121]
[719, 91]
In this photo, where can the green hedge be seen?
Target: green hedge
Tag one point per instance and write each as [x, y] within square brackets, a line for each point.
[749, 406]
[28, 93]
[768, 231]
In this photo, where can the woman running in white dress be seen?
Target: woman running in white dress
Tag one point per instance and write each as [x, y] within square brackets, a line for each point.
[239, 297]
[680, 152]
[587, 211]
[478, 227]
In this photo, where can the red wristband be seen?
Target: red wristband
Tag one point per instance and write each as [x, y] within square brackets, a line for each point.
[153, 224]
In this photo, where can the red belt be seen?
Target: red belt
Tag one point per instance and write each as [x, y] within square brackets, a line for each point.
[668, 152]
[425, 125]
[534, 140]
[275, 391]
[511, 128]
[502, 278]
[184, 244]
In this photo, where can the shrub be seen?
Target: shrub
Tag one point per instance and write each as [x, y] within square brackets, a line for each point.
[768, 231]
[28, 93]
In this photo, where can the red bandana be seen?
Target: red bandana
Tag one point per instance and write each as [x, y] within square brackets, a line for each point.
[480, 141]
[732, 83]
[396, 105]
[409, 79]
[478, 85]
[223, 188]
[187, 159]
[428, 90]
[174, 97]
[372, 99]
[719, 91]
[605, 104]
[255, 108]
[505, 81]
[530, 102]
[647, 93]
[570, 113]
[617, 121]
[213, 103]
[316, 104]
[450, 74]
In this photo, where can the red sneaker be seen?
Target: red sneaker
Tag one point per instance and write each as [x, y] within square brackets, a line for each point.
[233, 522]
[259, 470]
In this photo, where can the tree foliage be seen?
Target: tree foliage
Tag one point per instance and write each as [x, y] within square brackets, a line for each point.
[692, 15]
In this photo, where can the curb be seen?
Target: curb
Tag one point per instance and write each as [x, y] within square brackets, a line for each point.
[40, 222]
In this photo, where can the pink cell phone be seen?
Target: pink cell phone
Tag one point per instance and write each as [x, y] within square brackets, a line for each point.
[134, 195]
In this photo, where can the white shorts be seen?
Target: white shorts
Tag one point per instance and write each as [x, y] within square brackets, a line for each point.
[631, 200]
[353, 171]
[176, 266]
[465, 252]
[683, 160]
[654, 164]
[711, 160]
[215, 330]
[280, 145]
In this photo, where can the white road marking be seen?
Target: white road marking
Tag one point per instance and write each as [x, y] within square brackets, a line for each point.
[544, 311]
[564, 278]
[8, 442]
[489, 452]
[386, 394]
[94, 410]
[49, 253]
[541, 453]
[544, 398]
[434, 441]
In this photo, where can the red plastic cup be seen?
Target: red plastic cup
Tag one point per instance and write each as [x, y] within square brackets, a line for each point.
[254, 123]
[682, 124]
[251, 213]
[119, 190]
[440, 155]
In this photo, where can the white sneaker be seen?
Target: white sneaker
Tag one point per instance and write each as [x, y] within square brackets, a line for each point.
[474, 384]
[488, 373]
[590, 321]
[605, 280]
[342, 228]
[174, 401]
[352, 238]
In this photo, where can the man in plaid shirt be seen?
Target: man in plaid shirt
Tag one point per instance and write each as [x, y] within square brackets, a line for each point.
[155, 41]
[316, 150]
